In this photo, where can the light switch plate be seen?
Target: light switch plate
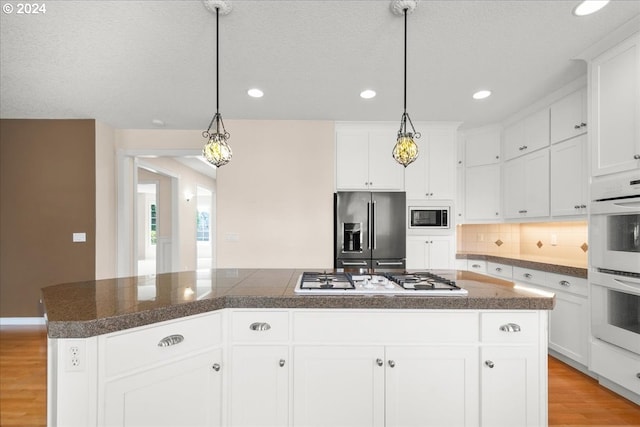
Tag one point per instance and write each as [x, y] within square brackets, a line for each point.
[79, 237]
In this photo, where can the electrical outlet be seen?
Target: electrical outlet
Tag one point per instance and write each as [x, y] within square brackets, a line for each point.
[75, 356]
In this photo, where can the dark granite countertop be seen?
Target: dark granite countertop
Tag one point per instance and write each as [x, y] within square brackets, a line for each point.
[541, 264]
[85, 309]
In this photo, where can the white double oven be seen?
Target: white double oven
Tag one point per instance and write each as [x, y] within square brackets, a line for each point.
[614, 231]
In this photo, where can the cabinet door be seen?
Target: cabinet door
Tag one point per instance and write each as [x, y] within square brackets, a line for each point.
[259, 386]
[420, 383]
[417, 252]
[482, 147]
[482, 193]
[440, 252]
[416, 174]
[569, 177]
[536, 172]
[513, 140]
[156, 397]
[352, 160]
[338, 386]
[514, 189]
[441, 178]
[568, 116]
[384, 172]
[526, 186]
[509, 386]
[615, 97]
[568, 323]
[536, 131]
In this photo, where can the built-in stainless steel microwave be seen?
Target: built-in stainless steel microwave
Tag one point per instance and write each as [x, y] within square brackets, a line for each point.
[428, 217]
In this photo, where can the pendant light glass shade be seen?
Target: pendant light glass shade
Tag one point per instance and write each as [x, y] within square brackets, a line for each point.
[216, 150]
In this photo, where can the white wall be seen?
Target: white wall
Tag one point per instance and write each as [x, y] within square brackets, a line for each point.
[275, 197]
[105, 201]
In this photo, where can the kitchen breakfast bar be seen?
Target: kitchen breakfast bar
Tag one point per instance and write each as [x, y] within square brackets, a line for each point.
[240, 347]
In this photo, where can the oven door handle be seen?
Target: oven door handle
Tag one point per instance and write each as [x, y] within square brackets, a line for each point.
[628, 205]
[629, 285]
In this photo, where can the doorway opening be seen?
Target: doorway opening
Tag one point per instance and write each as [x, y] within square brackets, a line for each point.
[147, 229]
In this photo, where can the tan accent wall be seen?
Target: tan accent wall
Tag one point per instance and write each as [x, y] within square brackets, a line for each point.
[47, 192]
[105, 201]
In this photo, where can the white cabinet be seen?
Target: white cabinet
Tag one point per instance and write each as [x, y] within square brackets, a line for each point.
[482, 192]
[527, 135]
[615, 108]
[147, 370]
[569, 177]
[338, 385]
[510, 389]
[569, 116]
[500, 270]
[260, 366]
[420, 382]
[526, 186]
[433, 174]
[364, 160]
[482, 146]
[569, 320]
[430, 252]
[184, 392]
[259, 385]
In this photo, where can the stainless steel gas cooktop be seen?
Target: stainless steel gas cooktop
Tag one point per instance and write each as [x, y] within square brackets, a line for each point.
[422, 283]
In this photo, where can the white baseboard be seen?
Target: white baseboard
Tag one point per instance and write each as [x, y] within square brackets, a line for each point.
[17, 321]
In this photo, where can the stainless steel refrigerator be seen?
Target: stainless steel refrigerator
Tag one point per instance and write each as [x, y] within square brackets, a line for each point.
[370, 230]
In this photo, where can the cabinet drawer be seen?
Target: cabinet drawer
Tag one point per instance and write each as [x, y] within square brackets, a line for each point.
[500, 270]
[477, 266]
[527, 275]
[141, 347]
[509, 327]
[561, 282]
[614, 364]
[259, 326]
[374, 327]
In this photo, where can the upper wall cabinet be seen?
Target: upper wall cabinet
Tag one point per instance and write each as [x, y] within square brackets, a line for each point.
[569, 116]
[526, 186]
[433, 174]
[527, 135]
[615, 108]
[482, 146]
[569, 178]
[364, 160]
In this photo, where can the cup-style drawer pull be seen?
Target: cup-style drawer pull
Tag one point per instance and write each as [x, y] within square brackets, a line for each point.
[510, 327]
[476, 266]
[565, 283]
[260, 326]
[171, 340]
[498, 269]
[528, 275]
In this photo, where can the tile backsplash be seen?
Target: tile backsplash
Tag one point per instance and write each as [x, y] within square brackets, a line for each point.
[566, 241]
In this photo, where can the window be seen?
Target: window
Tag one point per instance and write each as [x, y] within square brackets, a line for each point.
[153, 224]
[202, 227]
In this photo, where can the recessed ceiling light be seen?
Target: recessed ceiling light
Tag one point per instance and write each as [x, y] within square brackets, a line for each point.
[482, 94]
[587, 7]
[367, 94]
[255, 93]
[157, 122]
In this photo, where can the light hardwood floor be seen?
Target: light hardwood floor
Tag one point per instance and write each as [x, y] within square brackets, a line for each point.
[574, 398]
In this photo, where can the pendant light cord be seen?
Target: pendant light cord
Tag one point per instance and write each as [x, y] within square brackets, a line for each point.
[217, 67]
[405, 61]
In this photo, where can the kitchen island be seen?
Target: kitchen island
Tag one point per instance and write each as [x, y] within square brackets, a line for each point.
[240, 347]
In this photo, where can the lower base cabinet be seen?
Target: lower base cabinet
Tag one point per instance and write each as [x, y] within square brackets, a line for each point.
[385, 386]
[510, 387]
[259, 386]
[185, 392]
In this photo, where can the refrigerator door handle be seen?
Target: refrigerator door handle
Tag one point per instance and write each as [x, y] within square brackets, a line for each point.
[369, 213]
[373, 226]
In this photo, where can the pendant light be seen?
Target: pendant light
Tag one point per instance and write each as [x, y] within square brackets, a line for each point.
[406, 149]
[216, 150]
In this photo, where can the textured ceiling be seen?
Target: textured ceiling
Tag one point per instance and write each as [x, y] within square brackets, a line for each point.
[128, 62]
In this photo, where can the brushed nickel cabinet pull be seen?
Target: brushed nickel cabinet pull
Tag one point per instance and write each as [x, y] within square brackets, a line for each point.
[171, 340]
[392, 364]
[489, 363]
[565, 283]
[281, 363]
[510, 327]
[216, 367]
[260, 326]
[379, 362]
[527, 275]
